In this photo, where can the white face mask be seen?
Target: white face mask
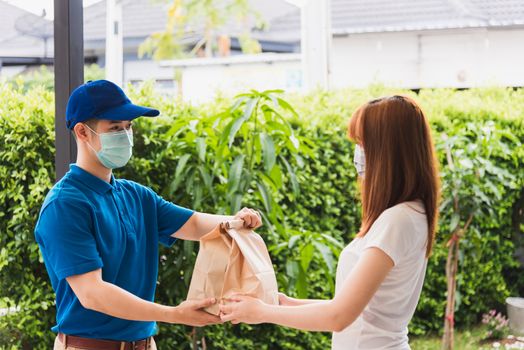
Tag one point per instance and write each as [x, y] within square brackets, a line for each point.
[116, 148]
[359, 160]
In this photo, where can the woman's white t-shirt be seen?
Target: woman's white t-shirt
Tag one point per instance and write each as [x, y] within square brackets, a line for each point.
[401, 232]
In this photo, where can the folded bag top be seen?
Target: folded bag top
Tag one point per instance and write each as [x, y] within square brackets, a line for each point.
[233, 260]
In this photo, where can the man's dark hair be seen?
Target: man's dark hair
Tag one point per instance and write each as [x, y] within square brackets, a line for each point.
[92, 123]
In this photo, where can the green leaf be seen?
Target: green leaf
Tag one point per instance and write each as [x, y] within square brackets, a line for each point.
[197, 196]
[206, 177]
[292, 177]
[235, 173]
[293, 240]
[201, 148]
[332, 240]
[301, 284]
[237, 124]
[266, 196]
[236, 202]
[455, 219]
[268, 151]
[284, 104]
[327, 255]
[276, 176]
[306, 255]
[181, 164]
[296, 273]
[466, 163]
[188, 248]
[292, 269]
[295, 142]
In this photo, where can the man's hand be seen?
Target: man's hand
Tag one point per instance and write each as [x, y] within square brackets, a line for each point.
[190, 313]
[252, 218]
[201, 223]
[97, 295]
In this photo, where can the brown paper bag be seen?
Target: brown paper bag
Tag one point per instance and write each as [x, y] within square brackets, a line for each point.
[233, 260]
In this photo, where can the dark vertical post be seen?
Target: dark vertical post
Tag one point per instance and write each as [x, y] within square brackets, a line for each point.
[69, 73]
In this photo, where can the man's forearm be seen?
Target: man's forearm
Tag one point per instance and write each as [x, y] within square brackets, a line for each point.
[117, 302]
[199, 224]
[207, 222]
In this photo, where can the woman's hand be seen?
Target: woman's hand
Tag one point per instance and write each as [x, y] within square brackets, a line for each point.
[242, 308]
[284, 300]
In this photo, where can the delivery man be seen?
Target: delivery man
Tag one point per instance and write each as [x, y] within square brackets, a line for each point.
[99, 235]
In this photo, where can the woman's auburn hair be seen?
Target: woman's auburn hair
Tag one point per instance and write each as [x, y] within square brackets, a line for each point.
[401, 163]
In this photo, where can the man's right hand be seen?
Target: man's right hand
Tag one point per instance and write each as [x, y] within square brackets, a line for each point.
[190, 313]
[96, 294]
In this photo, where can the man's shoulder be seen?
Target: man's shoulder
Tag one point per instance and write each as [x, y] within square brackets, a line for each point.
[135, 186]
[65, 191]
[63, 200]
[129, 183]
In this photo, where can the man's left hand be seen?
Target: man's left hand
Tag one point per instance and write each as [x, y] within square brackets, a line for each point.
[252, 218]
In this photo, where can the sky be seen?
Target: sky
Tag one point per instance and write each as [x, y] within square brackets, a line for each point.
[36, 6]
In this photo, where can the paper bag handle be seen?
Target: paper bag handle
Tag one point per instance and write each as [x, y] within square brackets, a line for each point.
[233, 224]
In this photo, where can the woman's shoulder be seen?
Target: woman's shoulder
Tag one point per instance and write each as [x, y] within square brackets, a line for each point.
[406, 209]
[409, 216]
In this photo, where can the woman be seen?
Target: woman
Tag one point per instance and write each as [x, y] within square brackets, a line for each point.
[381, 272]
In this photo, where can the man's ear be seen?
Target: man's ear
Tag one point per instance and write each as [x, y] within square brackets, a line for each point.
[80, 131]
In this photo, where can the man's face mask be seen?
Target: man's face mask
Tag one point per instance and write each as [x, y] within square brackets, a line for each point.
[115, 148]
[359, 160]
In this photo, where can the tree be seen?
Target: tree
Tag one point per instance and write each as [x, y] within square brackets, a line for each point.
[472, 183]
[188, 16]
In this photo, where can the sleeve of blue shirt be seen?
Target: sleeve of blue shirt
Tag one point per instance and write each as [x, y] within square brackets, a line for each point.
[170, 218]
[64, 232]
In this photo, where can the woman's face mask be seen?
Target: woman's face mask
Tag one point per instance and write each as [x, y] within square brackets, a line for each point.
[116, 148]
[359, 160]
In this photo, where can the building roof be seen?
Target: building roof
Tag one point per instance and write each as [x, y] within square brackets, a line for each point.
[22, 33]
[144, 17]
[140, 19]
[373, 16]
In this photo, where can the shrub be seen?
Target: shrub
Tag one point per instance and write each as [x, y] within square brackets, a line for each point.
[311, 201]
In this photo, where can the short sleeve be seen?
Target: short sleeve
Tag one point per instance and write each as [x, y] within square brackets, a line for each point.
[170, 218]
[393, 233]
[65, 234]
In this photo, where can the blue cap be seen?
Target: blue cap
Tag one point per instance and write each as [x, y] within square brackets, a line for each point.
[102, 99]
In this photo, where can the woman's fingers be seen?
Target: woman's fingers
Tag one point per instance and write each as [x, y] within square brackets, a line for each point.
[237, 297]
[231, 312]
[226, 309]
[226, 318]
[227, 314]
[282, 298]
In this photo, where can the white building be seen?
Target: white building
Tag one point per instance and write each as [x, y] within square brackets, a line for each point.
[406, 43]
[421, 43]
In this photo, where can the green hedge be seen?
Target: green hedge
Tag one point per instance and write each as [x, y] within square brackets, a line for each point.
[305, 232]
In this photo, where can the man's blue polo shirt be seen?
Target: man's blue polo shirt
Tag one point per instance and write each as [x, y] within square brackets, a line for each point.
[85, 224]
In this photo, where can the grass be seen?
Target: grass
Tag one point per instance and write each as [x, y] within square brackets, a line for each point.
[464, 340]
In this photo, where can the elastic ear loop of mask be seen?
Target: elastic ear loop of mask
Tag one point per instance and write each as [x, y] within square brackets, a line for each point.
[94, 150]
